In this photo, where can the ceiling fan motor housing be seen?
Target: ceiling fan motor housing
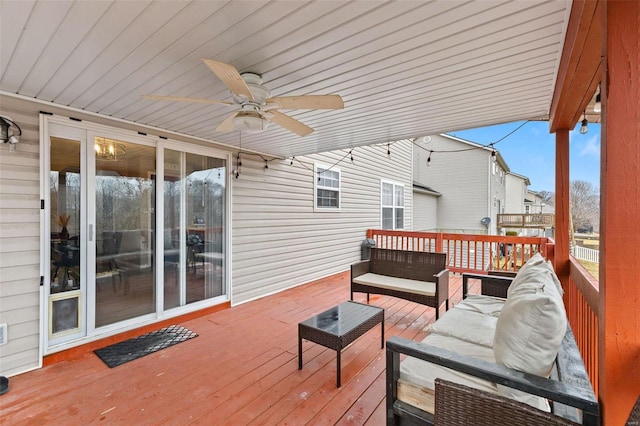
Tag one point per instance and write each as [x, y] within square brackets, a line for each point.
[259, 92]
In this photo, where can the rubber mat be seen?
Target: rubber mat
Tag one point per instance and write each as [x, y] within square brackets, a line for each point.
[137, 347]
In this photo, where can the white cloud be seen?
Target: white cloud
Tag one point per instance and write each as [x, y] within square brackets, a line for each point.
[591, 148]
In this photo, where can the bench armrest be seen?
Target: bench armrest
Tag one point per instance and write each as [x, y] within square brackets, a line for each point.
[442, 284]
[359, 268]
[578, 397]
[490, 285]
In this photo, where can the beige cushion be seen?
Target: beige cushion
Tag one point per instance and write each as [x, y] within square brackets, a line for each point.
[421, 374]
[393, 283]
[469, 326]
[531, 326]
[487, 305]
[538, 263]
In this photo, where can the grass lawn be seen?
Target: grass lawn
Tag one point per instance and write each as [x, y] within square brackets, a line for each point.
[592, 267]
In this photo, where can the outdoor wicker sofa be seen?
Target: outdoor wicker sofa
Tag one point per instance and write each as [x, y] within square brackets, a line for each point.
[512, 341]
[420, 277]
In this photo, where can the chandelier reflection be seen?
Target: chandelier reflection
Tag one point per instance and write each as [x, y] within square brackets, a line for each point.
[109, 150]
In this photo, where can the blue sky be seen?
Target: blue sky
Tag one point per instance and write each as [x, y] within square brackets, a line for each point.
[530, 151]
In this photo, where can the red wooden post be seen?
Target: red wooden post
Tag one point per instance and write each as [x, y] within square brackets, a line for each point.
[619, 205]
[562, 207]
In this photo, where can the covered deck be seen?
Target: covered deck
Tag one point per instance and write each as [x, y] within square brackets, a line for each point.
[241, 369]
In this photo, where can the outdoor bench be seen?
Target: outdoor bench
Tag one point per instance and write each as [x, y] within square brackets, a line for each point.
[512, 341]
[420, 277]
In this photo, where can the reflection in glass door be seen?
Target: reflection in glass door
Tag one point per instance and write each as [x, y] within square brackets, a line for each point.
[194, 234]
[124, 220]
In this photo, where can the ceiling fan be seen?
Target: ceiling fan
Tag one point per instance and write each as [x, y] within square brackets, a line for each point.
[255, 108]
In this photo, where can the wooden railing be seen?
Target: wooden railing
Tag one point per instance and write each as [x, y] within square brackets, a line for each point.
[581, 300]
[526, 220]
[468, 252]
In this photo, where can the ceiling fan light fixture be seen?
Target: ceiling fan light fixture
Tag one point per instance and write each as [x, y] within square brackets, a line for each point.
[250, 122]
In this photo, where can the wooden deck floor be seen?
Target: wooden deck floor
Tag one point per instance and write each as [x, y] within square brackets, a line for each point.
[242, 369]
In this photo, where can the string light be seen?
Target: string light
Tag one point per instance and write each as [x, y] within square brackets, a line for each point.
[584, 128]
[389, 150]
[266, 164]
[429, 158]
[292, 158]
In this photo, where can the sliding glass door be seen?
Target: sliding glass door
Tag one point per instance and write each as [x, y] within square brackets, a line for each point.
[124, 243]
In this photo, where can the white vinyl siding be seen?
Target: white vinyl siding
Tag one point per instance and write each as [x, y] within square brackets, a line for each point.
[425, 212]
[392, 205]
[19, 246]
[463, 180]
[280, 242]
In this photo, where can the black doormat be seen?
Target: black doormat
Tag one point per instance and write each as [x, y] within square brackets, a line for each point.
[146, 344]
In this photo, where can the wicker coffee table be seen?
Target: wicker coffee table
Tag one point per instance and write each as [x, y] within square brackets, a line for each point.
[338, 327]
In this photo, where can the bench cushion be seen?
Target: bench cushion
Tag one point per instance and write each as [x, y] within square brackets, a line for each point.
[418, 377]
[394, 283]
[469, 326]
[486, 305]
[532, 324]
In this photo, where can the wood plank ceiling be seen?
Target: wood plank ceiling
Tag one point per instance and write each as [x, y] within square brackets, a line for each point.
[405, 69]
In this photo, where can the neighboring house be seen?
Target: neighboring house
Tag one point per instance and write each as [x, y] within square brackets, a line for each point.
[107, 226]
[516, 192]
[470, 179]
[425, 208]
[535, 204]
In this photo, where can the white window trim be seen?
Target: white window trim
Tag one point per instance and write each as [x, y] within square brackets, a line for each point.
[393, 207]
[316, 175]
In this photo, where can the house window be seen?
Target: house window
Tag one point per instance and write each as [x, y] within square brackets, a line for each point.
[527, 209]
[392, 205]
[327, 189]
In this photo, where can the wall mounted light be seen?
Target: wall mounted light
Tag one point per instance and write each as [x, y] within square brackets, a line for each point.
[10, 132]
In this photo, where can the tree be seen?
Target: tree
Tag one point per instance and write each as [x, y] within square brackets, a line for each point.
[547, 197]
[584, 204]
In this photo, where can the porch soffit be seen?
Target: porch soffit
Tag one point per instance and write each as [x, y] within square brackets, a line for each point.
[404, 69]
[580, 67]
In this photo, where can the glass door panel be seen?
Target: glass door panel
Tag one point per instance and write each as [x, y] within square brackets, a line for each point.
[194, 228]
[65, 307]
[171, 234]
[125, 218]
[205, 216]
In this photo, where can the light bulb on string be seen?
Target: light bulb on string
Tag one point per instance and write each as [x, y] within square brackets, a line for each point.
[584, 128]
[351, 153]
[429, 158]
[292, 158]
[389, 150]
[266, 164]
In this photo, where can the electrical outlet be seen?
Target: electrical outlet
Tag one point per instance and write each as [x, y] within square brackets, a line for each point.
[3, 334]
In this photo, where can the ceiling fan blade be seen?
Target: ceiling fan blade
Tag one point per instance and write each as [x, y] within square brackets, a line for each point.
[229, 76]
[179, 99]
[309, 102]
[227, 124]
[288, 123]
